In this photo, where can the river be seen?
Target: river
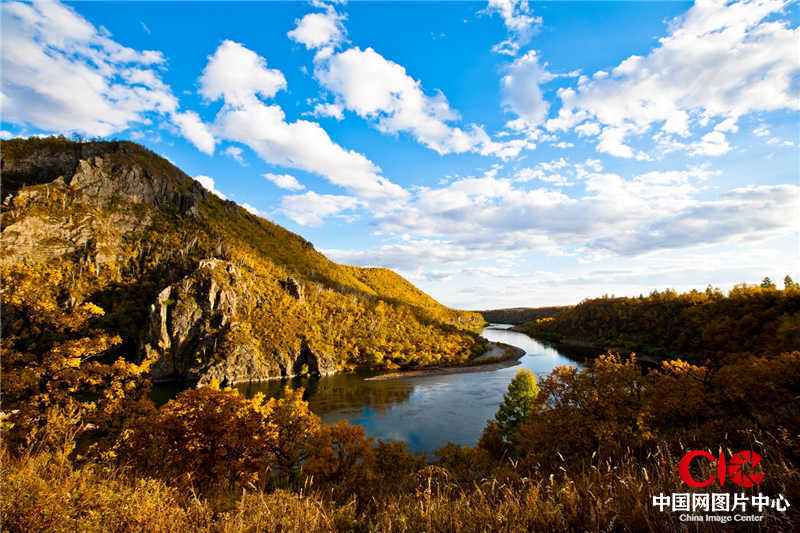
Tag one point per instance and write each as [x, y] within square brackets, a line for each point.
[424, 411]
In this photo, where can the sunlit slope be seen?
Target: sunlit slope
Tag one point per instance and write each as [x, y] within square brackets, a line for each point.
[198, 284]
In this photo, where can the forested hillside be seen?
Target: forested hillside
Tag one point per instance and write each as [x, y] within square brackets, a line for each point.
[115, 261]
[520, 315]
[705, 326]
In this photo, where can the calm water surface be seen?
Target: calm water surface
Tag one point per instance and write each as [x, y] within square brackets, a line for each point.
[424, 411]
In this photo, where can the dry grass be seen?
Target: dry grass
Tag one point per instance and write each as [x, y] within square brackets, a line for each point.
[45, 492]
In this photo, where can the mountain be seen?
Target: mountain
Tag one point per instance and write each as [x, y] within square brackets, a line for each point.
[192, 285]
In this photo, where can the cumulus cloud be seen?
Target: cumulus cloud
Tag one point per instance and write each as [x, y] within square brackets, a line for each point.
[319, 30]
[519, 21]
[195, 130]
[208, 183]
[381, 90]
[521, 88]
[310, 208]
[96, 91]
[240, 77]
[236, 153]
[62, 74]
[328, 110]
[713, 143]
[285, 181]
[721, 60]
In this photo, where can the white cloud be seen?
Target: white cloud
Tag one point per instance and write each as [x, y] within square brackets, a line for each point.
[4, 134]
[236, 153]
[195, 130]
[302, 144]
[493, 217]
[328, 110]
[555, 172]
[521, 88]
[713, 143]
[238, 75]
[761, 131]
[721, 60]
[519, 21]
[778, 140]
[310, 208]
[61, 74]
[588, 129]
[318, 30]
[208, 183]
[406, 256]
[612, 142]
[285, 181]
[378, 89]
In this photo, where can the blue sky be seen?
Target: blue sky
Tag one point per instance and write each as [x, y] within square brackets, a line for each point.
[497, 153]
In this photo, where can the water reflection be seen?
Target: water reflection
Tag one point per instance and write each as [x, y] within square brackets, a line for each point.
[340, 393]
[424, 411]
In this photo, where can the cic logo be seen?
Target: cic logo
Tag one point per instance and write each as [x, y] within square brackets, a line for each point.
[732, 469]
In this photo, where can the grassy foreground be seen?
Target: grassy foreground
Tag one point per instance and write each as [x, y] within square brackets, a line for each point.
[599, 444]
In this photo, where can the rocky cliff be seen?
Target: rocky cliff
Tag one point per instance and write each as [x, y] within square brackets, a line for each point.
[195, 285]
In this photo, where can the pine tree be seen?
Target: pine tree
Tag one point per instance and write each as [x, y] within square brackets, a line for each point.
[518, 402]
[788, 282]
[766, 283]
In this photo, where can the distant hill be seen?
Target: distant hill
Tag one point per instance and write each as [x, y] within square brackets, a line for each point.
[520, 315]
[706, 326]
[196, 285]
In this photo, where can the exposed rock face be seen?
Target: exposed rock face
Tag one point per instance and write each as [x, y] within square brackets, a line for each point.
[103, 180]
[103, 171]
[98, 182]
[195, 333]
[45, 163]
[294, 288]
[43, 237]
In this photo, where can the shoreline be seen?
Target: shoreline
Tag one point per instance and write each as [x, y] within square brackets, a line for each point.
[477, 366]
[643, 358]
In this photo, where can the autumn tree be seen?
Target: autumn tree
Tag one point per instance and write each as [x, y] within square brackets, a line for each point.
[518, 402]
[393, 459]
[341, 453]
[205, 436]
[293, 430]
[55, 356]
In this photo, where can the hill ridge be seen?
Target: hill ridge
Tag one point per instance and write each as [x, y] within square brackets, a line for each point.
[125, 225]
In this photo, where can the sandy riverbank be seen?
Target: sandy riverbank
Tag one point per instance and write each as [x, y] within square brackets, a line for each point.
[474, 365]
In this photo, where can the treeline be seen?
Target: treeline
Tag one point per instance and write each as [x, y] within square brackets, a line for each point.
[698, 325]
[520, 315]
